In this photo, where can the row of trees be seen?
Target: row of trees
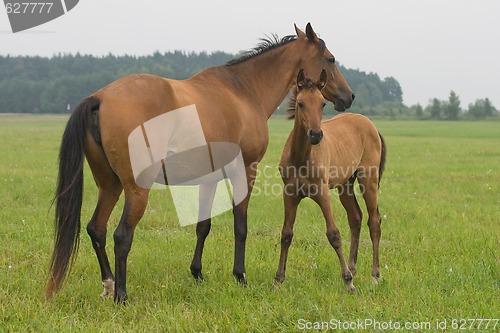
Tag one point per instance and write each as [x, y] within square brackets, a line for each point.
[451, 109]
[57, 84]
[50, 85]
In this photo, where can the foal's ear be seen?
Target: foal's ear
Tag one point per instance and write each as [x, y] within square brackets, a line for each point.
[299, 32]
[311, 35]
[322, 80]
[300, 79]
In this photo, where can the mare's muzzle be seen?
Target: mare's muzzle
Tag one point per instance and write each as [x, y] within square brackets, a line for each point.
[315, 137]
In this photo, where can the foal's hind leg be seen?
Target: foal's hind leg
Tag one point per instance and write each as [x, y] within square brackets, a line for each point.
[354, 216]
[370, 193]
[333, 234]
[109, 191]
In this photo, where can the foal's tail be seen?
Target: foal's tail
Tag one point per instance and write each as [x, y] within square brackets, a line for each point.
[382, 158]
[69, 193]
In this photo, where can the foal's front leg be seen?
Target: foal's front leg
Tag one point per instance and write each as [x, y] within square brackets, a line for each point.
[290, 206]
[333, 234]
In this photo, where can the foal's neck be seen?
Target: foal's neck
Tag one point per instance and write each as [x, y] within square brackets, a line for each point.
[300, 146]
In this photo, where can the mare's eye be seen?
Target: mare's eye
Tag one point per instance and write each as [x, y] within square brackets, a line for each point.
[331, 60]
[300, 104]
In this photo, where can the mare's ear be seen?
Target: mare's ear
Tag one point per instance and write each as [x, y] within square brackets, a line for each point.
[299, 32]
[322, 80]
[300, 79]
[311, 35]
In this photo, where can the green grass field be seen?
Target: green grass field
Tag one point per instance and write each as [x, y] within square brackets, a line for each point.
[440, 256]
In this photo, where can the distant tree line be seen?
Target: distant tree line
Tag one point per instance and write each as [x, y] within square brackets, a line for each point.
[57, 84]
[450, 109]
[49, 85]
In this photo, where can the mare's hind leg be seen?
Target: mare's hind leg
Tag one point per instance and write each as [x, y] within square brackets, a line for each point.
[354, 216]
[97, 229]
[369, 187]
[136, 200]
[207, 193]
[109, 191]
[333, 234]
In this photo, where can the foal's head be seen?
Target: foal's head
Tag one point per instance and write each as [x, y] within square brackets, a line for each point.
[308, 105]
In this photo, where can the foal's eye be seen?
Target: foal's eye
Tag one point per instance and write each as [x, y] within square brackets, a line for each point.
[331, 60]
[300, 104]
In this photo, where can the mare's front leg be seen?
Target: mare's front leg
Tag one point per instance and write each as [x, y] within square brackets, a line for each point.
[290, 206]
[240, 220]
[206, 199]
[135, 205]
[240, 237]
[333, 234]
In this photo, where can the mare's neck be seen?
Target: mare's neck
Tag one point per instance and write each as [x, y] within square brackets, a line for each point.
[266, 79]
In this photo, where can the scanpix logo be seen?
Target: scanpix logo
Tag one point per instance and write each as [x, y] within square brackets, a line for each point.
[205, 179]
[25, 15]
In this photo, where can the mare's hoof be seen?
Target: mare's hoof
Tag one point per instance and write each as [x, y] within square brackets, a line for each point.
[241, 278]
[121, 298]
[198, 276]
[196, 273]
[109, 288]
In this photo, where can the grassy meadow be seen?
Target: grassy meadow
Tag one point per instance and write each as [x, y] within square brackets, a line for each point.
[440, 254]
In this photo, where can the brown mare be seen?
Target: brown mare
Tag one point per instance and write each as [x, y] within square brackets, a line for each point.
[319, 156]
[225, 99]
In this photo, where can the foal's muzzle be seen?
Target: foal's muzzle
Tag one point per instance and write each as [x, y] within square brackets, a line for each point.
[315, 137]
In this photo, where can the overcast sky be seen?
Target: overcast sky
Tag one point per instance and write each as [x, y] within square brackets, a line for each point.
[430, 47]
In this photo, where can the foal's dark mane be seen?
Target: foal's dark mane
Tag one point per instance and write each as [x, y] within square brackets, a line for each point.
[307, 84]
[266, 44]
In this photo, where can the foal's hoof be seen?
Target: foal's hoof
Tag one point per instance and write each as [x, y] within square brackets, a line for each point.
[278, 280]
[277, 285]
[348, 282]
[377, 278]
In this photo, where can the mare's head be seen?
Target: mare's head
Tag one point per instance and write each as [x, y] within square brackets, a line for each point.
[308, 104]
[336, 90]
